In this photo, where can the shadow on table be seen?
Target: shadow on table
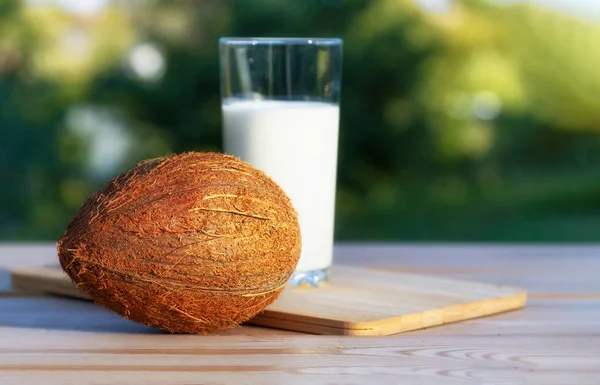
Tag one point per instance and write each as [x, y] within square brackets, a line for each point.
[54, 312]
[4, 280]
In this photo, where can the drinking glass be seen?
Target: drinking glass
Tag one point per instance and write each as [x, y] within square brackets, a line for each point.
[280, 102]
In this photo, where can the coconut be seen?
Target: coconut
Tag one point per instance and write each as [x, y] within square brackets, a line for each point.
[188, 243]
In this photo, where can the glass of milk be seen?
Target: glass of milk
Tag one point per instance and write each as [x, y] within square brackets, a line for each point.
[280, 105]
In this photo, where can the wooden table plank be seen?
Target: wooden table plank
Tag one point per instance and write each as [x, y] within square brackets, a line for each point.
[57, 318]
[555, 340]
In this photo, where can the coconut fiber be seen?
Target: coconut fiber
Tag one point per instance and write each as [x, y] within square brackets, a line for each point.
[188, 243]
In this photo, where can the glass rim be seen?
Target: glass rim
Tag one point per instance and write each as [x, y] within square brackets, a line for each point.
[280, 41]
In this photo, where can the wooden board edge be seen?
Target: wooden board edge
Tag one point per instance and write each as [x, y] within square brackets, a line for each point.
[476, 309]
[394, 325]
[306, 327]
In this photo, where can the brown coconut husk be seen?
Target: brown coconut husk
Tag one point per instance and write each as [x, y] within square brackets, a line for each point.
[188, 243]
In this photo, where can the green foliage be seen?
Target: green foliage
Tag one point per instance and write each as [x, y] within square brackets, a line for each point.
[476, 124]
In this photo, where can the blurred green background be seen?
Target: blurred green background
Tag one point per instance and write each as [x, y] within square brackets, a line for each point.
[461, 120]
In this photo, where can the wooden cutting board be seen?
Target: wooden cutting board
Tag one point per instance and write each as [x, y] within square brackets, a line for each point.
[357, 301]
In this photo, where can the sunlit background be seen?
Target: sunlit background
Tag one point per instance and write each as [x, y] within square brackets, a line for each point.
[461, 120]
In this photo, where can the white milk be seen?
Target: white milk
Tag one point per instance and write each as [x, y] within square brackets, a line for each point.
[296, 144]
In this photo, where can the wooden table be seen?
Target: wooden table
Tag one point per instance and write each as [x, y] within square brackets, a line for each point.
[555, 340]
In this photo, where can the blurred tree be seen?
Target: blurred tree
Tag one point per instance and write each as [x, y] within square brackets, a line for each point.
[478, 122]
[42, 76]
[32, 110]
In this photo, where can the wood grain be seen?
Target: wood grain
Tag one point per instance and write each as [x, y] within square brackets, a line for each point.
[513, 348]
[357, 301]
[555, 340]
